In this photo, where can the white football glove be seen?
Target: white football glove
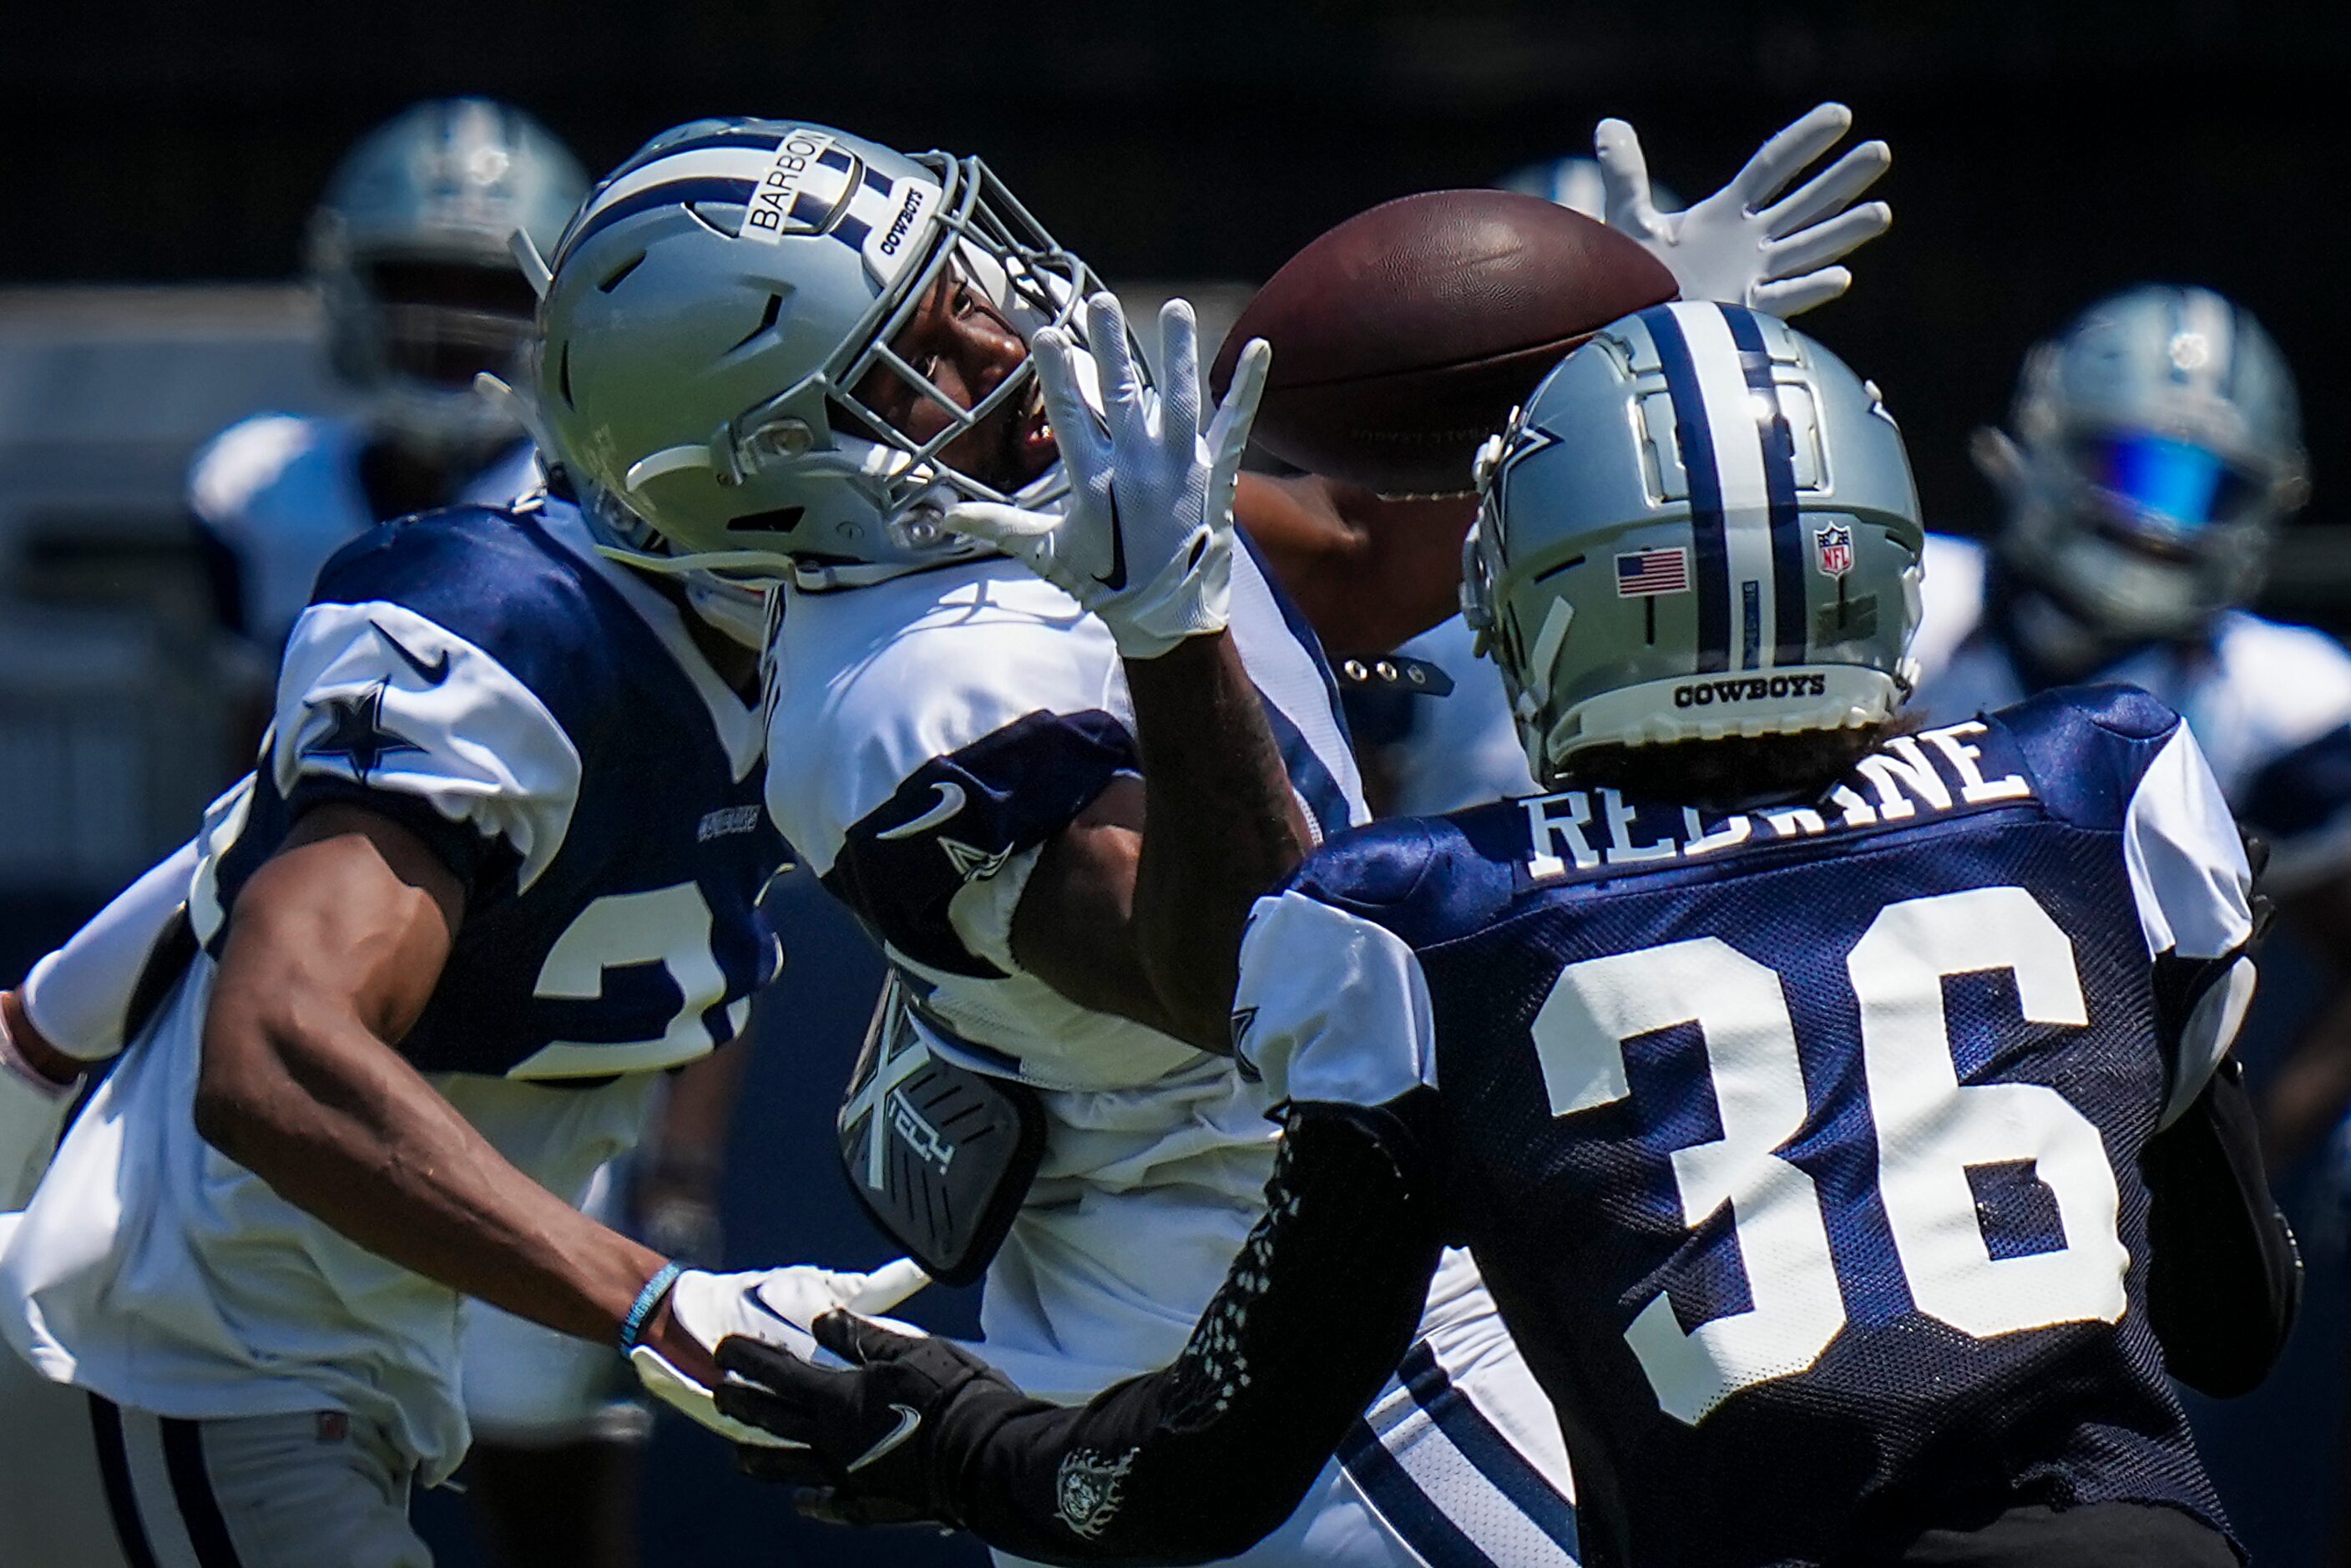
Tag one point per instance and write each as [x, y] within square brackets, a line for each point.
[774, 1306]
[1732, 247]
[1145, 539]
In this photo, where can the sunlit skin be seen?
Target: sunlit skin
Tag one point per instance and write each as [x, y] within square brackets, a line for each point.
[964, 345]
[1366, 571]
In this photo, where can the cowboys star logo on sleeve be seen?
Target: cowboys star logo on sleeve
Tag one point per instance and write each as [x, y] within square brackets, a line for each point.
[356, 732]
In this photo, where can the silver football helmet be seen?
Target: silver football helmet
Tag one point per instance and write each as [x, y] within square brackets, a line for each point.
[409, 252]
[1701, 525]
[712, 311]
[2157, 448]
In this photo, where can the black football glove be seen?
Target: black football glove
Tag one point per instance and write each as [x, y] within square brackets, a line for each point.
[873, 1431]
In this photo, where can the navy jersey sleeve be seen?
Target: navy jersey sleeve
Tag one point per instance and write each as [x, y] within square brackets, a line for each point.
[441, 677]
[2112, 757]
[957, 819]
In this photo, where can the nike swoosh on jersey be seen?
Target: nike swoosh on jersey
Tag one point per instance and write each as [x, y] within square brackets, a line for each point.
[431, 675]
[950, 801]
[1117, 578]
[909, 1420]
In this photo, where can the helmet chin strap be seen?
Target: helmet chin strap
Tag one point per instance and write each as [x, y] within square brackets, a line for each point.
[734, 612]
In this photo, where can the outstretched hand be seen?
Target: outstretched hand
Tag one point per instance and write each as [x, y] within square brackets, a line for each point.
[867, 1436]
[1144, 539]
[775, 1306]
[1747, 243]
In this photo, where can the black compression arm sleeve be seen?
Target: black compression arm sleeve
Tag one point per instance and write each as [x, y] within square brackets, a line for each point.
[2225, 1278]
[1201, 1460]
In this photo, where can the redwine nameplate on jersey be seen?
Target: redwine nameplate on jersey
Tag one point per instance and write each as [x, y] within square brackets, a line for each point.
[1934, 772]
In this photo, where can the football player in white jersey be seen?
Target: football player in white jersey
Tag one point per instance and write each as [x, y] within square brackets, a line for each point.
[2155, 455]
[1425, 755]
[789, 350]
[496, 873]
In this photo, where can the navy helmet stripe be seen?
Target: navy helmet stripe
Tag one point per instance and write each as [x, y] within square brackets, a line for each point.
[674, 192]
[852, 231]
[1492, 1454]
[1409, 1512]
[1711, 545]
[1788, 580]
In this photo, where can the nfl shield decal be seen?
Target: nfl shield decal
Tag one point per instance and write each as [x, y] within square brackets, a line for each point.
[1833, 548]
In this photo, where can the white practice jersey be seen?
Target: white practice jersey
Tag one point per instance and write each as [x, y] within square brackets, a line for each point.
[1460, 750]
[541, 719]
[935, 731]
[2269, 703]
[279, 493]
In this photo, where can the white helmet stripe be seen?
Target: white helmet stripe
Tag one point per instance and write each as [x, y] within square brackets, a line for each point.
[2205, 316]
[696, 163]
[1735, 428]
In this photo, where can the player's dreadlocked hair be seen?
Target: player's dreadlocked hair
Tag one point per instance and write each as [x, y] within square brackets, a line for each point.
[1734, 773]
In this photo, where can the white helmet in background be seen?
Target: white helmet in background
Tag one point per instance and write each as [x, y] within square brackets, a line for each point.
[409, 252]
[2157, 450]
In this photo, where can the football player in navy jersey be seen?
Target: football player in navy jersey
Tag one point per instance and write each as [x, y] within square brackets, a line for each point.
[791, 350]
[1841, 1117]
[495, 875]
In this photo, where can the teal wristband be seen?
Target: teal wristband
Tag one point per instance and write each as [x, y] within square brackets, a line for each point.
[632, 1327]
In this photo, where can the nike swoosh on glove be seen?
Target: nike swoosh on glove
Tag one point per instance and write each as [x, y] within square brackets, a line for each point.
[1741, 245]
[869, 1435]
[1144, 539]
[776, 1307]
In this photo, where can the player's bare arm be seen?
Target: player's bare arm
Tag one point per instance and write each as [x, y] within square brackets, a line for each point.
[1367, 571]
[1145, 543]
[334, 948]
[30, 1044]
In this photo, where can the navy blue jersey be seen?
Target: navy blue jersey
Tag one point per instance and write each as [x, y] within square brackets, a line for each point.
[1801, 1147]
[544, 723]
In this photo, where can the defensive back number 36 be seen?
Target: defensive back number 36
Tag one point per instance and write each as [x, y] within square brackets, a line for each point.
[1930, 1129]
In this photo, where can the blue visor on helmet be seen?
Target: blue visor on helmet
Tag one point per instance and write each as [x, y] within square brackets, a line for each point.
[2174, 482]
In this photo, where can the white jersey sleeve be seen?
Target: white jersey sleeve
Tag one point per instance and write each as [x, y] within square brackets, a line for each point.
[377, 703]
[2193, 889]
[1331, 1009]
[79, 995]
[1951, 601]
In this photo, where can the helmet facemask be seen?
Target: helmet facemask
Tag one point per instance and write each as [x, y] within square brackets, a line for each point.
[986, 238]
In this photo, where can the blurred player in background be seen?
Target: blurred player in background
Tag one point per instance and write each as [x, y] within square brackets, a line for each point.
[1823, 1251]
[408, 254]
[2154, 456]
[1424, 755]
[787, 349]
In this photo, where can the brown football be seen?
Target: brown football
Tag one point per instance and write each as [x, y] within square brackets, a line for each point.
[1404, 337]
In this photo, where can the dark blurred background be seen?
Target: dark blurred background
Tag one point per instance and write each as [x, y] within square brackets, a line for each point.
[157, 162]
